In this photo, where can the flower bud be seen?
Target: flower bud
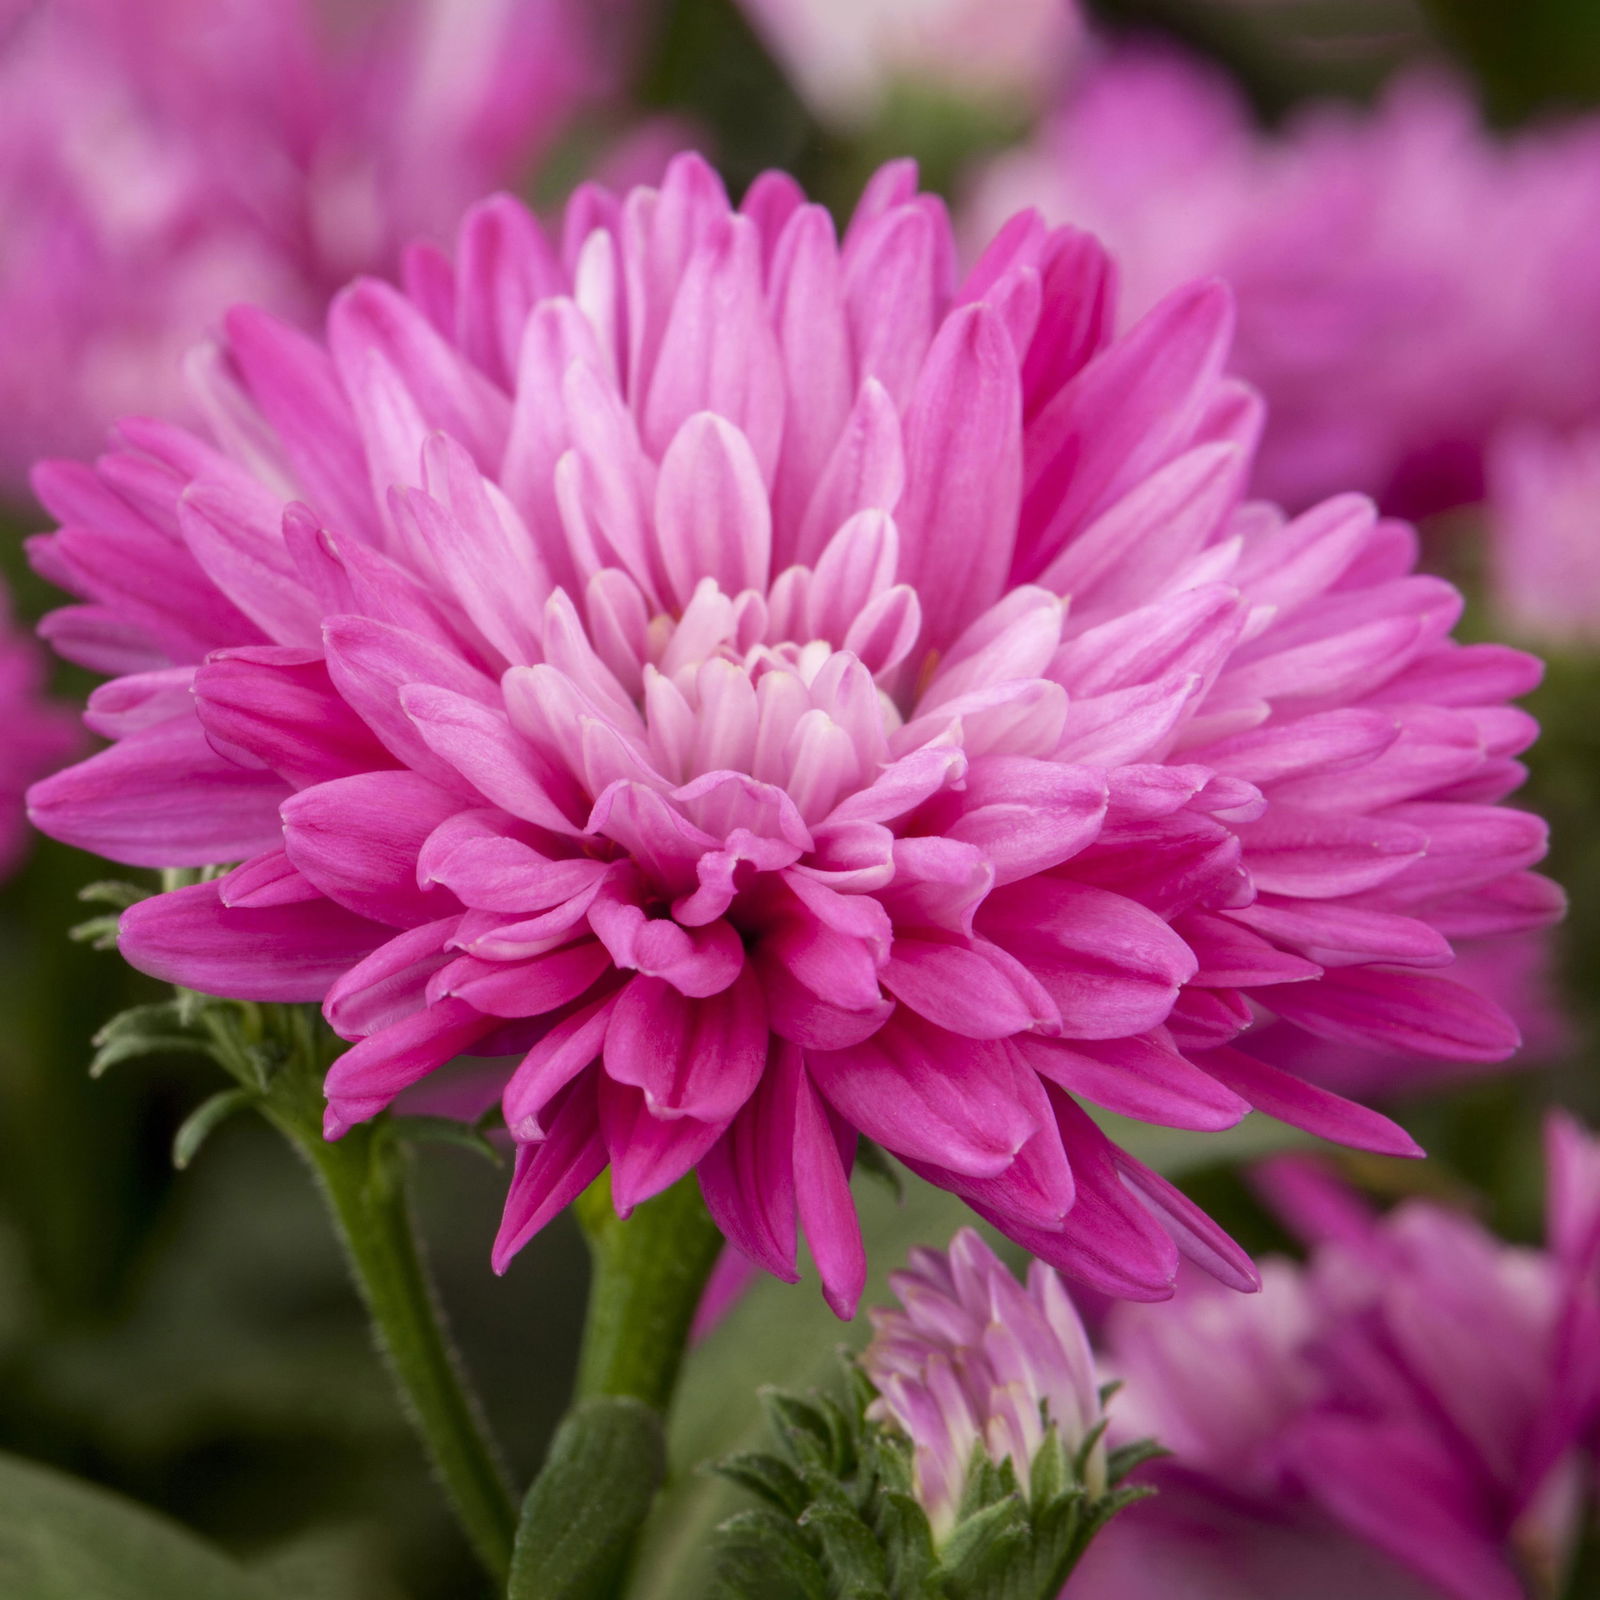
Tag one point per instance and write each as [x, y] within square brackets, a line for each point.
[970, 1463]
[973, 1358]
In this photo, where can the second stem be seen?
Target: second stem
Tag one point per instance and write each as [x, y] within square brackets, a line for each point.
[648, 1275]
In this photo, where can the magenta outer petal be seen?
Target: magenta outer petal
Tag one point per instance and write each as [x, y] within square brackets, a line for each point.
[162, 797]
[265, 880]
[390, 983]
[964, 459]
[279, 707]
[284, 952]
[648, 1153]
[930, 1095]
[370, 1074]
[1112, 967]
[822, 1194]
[551, 1174]
[748, 1176]
[1414, 1012]
[1290, 1099]
[1385, 1483]
[1138, 1077]
[571, 1046]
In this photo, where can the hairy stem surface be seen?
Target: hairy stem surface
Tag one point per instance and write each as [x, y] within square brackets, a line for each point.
[649, 1273]
[282, 1052]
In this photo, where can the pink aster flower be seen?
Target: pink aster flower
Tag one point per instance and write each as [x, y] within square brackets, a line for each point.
[1389, 330]
[785, 690]
[38, 736]
[1417, 1407]
[846, 58]
[1544, 536]
[973, 1359]
[160, 161]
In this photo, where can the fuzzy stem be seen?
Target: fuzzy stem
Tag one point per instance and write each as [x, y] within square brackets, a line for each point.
[649, 1273]
[282, 1052]
[366, 1196]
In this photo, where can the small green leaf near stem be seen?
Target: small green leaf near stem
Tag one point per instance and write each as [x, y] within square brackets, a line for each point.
[204, 1120]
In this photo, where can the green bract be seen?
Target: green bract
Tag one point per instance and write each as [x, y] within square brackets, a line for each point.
[839, 1519]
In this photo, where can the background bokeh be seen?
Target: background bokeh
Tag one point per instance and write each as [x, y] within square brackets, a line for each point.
[190, 1338]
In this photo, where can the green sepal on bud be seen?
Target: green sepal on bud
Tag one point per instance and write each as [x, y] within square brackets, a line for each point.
[840, 1520]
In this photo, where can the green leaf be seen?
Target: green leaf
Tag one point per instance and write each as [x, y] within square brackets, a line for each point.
[804, 1427]
[1052, 1471]
[1130, 1457]
[908, 1542]
[199, 1125]
[981, 1546]
[762, 1556]
[113, 892]
[143, 1031]
[853, 1556]
[767, 1478]
[128, 1048]
[99, 933]
[580, 1517]
[62, 1539]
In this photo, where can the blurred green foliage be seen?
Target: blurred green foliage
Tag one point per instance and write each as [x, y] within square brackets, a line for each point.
[1531, 56]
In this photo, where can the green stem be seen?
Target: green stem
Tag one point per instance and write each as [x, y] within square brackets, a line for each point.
[366, 1196]
[649, 1273]
[282, 1052]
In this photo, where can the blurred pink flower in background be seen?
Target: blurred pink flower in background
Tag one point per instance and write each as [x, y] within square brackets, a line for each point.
[1544, 536]
[847, 56]
[35, 736]
[161, 160]
[1412, 1414]
[1406, 281]
[790, 691]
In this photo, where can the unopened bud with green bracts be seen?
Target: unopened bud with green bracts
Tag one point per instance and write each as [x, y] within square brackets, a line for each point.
[967, 1462]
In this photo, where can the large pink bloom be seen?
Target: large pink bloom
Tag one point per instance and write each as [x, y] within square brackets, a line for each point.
[1418, 1407]
[1389, 325]
[786, 690]
[38, 736]
[162, 159]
